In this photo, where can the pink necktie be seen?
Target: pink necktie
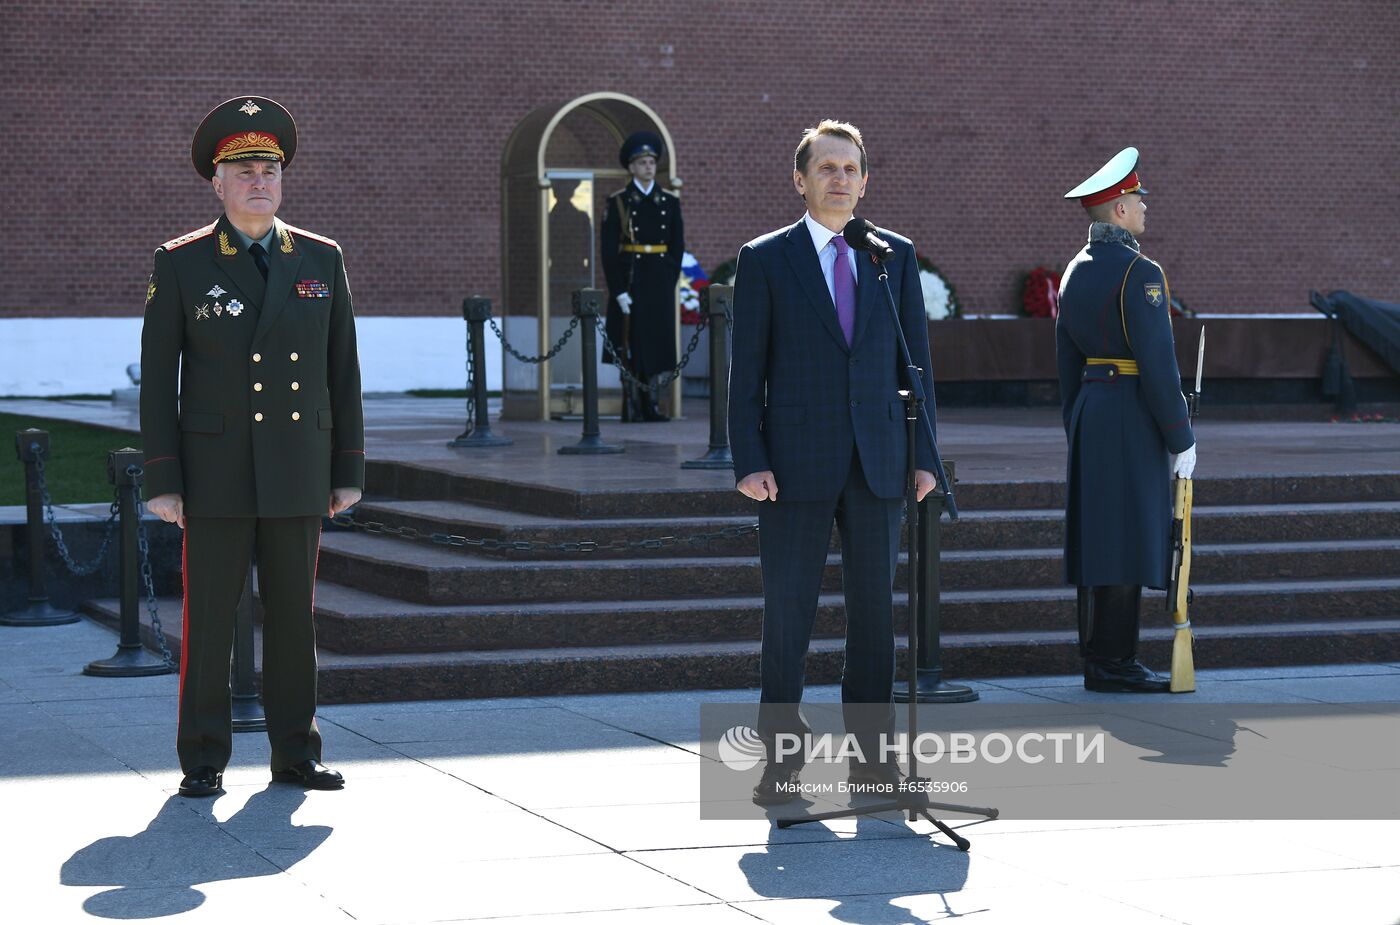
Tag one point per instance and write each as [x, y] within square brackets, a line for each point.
[845, 285]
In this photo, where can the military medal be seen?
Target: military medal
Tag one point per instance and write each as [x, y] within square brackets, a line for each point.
[312, 289]
[201, 312]
[218, 309]
[234, 308]
[216, 291]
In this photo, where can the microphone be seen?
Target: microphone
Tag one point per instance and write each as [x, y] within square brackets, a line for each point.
[861, 235]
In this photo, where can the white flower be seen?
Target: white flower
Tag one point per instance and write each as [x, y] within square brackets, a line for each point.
[936, 302]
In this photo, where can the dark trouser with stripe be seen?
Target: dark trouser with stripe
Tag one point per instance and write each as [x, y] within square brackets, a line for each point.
[217, 553]
[794, 539]
[1109, 625]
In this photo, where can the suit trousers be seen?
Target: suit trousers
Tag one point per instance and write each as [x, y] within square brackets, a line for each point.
[794, 540]
[216, 557]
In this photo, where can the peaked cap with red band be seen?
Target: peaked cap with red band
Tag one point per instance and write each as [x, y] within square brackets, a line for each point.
[244, 128]
[1116, 178]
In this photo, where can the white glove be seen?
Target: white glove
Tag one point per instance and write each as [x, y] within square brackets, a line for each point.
[624, 302]
[1184, 463]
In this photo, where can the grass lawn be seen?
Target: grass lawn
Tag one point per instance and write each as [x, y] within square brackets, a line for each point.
[77, 467]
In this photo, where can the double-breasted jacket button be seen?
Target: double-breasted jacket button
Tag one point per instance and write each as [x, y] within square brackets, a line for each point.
[294, 358]
[258, 416]
[295, 386]
[257, 358]
[257, 386]
[296, 415]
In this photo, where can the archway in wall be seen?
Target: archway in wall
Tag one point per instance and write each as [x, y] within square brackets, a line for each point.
[557, 171]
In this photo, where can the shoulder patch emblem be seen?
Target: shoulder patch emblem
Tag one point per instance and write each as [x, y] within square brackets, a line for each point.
[1153, 292]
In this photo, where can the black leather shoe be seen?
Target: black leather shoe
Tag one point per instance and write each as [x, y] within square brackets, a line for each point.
[777, 786]
[652, 412]
[1123, 676]
[202, 782]
[311, 774]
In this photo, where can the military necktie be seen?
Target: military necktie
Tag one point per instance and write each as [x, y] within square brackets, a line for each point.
[260, 258]
[845, 286]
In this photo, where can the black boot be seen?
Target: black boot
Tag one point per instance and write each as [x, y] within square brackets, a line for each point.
[651, 411]
[1111, 664]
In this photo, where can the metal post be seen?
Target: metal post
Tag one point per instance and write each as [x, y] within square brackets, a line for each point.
[717, 301]
[131, 660]
[30, 446]
[248, 714]
[929, 679]
[586, 308]
[476, 310]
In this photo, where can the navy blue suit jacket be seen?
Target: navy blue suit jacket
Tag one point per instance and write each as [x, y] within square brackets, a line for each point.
[800, 399]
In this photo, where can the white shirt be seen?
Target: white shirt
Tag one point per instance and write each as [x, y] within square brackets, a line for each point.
[826, 252]
[646, 190]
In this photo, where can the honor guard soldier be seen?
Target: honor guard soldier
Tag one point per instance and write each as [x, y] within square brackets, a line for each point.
[253, 431]
[643, 244]
[1127, 424]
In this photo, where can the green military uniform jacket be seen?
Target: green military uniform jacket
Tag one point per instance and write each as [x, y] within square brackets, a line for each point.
[250, 391]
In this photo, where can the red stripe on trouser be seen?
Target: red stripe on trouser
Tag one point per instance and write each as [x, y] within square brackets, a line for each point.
[184, 624]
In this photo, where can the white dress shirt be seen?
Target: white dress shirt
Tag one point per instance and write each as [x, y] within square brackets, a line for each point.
[645, 190]
[826, 252]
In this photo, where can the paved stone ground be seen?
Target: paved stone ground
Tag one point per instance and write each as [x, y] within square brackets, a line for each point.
[582, 810]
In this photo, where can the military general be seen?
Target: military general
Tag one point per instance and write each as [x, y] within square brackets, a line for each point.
[643, 244]
[1127, 423]
[253, 431]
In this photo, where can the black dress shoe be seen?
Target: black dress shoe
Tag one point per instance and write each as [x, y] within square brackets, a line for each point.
[777, 786]
[311, 774]
[652, 412]
[1123, 676]
[202, 782]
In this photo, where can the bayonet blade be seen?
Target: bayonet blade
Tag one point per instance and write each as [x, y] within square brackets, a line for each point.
[1200, 359]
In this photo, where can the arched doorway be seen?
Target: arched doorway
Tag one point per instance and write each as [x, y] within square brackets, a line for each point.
[557, 171]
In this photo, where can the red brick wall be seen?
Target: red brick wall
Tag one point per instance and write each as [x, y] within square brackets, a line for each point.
[1269, 131]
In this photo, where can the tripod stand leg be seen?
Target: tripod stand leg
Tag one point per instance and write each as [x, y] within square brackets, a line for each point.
[962, 843]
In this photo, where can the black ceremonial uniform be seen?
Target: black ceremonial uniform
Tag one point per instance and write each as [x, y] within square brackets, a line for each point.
[643, 243]
[251, 411]
[1124, 415]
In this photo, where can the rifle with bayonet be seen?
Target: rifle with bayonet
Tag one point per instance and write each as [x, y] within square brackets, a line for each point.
[1179, 584]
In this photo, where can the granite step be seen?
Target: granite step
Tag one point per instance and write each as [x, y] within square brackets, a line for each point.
[1009, 529]
[428, 573]
[714, 497]
[727, 665]
[354, 621]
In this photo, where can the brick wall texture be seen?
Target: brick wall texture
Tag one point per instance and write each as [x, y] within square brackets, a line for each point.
[1269, 131]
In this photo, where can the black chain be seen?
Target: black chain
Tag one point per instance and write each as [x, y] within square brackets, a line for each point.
[553, 351]
[667, 377]
[143, 544]
[697, 540]
[57, 534]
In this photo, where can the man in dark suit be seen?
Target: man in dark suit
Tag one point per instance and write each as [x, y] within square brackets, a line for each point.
[1124, 416]
[817, 430]
[643, 244]
[253, 430]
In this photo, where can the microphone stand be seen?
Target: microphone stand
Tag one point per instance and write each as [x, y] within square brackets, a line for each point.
[913, 796]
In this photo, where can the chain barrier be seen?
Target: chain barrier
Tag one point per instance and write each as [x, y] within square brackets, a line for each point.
[108, 528]
[143, 544]
[553, 351]
[696, 540]
[665, 378]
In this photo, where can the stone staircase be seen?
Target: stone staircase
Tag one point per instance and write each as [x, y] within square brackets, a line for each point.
[1287, 570]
